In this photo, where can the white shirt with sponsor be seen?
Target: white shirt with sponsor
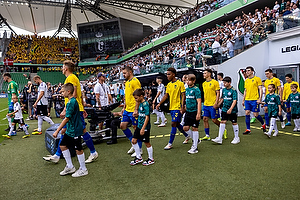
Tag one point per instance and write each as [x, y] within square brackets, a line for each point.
[17, 107]
[104, 91]
[161, 88]
[44, 99]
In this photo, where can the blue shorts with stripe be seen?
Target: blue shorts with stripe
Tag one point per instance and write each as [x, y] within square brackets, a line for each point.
[176, 115]
[251, 105]
[127, 117]
[209, 111]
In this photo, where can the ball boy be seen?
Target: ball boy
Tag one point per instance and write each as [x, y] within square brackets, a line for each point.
[274, 109]
[142, 132]
[294, 101]
[193, 112]
[73, 134]
[229, 111]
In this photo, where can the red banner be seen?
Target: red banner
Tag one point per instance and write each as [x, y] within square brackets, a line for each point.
[9, 62]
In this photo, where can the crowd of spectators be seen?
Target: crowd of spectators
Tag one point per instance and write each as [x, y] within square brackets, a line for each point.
[189, 16]
[42, 50]
[213, 45]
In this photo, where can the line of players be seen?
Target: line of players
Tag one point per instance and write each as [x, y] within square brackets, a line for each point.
[188, 99]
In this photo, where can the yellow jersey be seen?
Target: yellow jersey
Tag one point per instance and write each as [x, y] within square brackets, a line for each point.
[287, 89]
[174, 90]
[72, 78]
[251, 86]
[130, 87]
[209, 89]
[274, 81]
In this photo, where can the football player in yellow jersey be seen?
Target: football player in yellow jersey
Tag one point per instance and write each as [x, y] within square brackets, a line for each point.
[252, 98]
[67, 70]
[211, 90]
[130, 109]
[286, 92]
[272, 80]
[176, 93]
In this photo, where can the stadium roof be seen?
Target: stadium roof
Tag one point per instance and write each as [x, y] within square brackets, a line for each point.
[45, 15]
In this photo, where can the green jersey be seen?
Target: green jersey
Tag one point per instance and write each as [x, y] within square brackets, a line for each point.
[294, 99]
[74, 125]
[12, 88]
[144, 111]
[228, 96]
[273, 100]
[191, 96]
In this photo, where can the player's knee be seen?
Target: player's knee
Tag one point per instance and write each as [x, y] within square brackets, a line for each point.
[79, 152]
[174, 124]
[205, 119]
[247, 112]
[186, 128]
[148, 145]
[63, 148]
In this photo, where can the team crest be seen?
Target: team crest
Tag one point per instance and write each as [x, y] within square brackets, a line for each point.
[296, 97]
[229, 93]
[175, 86]
[272, 99]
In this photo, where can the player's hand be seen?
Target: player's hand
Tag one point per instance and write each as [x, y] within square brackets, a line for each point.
[142, 132]
[243, 103]
[135, 114]
[198, 117]
[229, 112]
[34, 105]
[157, 106]
[55, 134]
[62, 114]
[216, 106]
[258, 102]
[279, 113]
[85, 114]
[182, 110]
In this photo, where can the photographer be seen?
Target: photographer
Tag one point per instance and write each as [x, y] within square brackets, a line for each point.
[32, 96]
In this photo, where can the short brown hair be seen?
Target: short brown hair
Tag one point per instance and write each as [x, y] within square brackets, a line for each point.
[294, 85]
[70, 65]
[69, 86]
[191, 77]
[208, 70]
[127, 68]
[138, 92]
[7, 74]
[36, 77]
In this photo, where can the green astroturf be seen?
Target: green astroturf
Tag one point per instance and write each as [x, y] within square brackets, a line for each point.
[257, 168]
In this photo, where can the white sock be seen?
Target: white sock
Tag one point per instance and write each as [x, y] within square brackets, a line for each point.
[162, 117]
[157, 114]
[221, 130]
[40, 123]
[236, 130]
[9, 120]
[47, 119]
[272, 125]
[25, 129]
[150, 152]
[275, 127]
[296, 123]
[189, 132]
[67, 156]
[195, 138]
[81, 160]
[11, 129]
[137, 150]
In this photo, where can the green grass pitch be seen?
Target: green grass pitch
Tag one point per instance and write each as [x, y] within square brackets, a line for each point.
[257, 168]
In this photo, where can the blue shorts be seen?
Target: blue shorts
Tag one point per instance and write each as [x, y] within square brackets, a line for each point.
[127, 117]
[287, 104]
[209, 111]
[82, 120]
[176, 115]
[251, 105]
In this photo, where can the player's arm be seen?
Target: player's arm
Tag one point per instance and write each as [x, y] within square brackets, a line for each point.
[199, 103]
[220, 102]
[260, 93]
[182, 102]
[280, 92]
[279, 107]
[39, 98]
[142, 132]
[217, 99]
[63, 123]
[231, 107]
[244, 97]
